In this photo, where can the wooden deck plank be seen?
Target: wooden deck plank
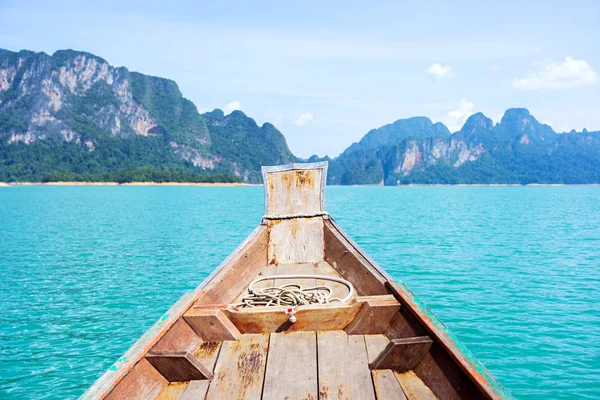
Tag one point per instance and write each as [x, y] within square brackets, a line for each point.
[291, 366]
[386, 385]
[240, 369]
[196, 390]
[413, 387]
[375, 345]
[300, 268]
[207, 354]
[173, 391]
[323, 268]
[343, 367]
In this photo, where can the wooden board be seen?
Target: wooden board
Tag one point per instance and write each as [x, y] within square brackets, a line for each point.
[196, 390]
[291, 366]
[308, 318]
[402, 354]
[292, 269]
[343, 367]
[351, 265]
[413, 387]
[294, 192]
[211, 324]
[173, 391]
[375, 345]
[207, 354]
[386, 385]
[179, 366]
[142, 382]
[240, 369]
[338, 290]
[375, 315]
[296, 240]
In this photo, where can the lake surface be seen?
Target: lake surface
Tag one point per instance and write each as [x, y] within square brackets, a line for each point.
[514, 272]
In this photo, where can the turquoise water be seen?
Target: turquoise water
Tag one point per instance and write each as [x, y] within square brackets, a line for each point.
[514, 272]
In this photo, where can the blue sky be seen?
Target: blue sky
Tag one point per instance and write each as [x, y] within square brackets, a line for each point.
[325, 73]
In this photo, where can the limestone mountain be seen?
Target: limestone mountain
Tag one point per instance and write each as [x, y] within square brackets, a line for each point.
[74, 112]
[519, 149]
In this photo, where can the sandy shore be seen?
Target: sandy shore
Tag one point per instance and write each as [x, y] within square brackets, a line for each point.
[126, 184]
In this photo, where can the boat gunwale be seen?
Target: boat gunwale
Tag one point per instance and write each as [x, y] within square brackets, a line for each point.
[119, 369]
[467, 362]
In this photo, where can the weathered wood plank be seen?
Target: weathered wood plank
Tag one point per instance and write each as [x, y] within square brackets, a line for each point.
[375, 315]
[291, 366]
[173, 391]
[308, 318]
[343, 367]
[375, 345]
[296, 240]
[179, 366]
[338, 290]
[207, 354]
[211, 324]
[413, 387]
[196, 390]
[386, 385]
[142, 382]
[402, 354]
[300, 269]
[351, 265]
[294, 192]
[240, 369]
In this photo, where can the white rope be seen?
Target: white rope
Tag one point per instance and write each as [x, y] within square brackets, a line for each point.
[293, 294]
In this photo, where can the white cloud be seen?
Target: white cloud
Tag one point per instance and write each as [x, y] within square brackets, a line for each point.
[439, 71]
[454, 120]
[559, 75]
[303, 119]
[234, 105]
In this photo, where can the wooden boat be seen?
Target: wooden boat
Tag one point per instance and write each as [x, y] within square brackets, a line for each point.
[382, 343]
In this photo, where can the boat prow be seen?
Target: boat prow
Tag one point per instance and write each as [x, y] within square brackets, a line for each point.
[325, 322]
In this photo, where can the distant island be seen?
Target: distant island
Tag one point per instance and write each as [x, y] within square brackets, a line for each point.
[73, 117]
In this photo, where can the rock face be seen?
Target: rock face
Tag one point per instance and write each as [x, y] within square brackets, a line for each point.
[517, 150]
[80, 106]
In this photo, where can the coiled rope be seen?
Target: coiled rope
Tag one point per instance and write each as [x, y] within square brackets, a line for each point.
[293, 294]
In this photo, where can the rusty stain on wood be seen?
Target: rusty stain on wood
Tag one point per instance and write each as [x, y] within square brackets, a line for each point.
[294, 192]
[173, 391]
[240, 369]
[413, 387]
